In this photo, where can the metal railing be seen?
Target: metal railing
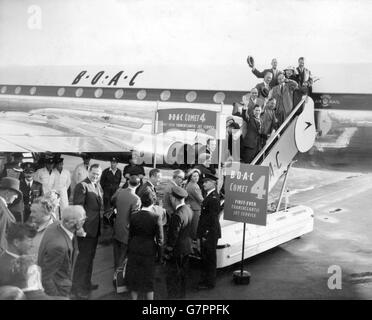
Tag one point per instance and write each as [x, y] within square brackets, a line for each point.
[274, 138]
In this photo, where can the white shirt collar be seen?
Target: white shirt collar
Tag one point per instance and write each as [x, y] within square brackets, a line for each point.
[150, 208]
[12, 254]
[180, 205]
[68, 232]
[132, 189]
[113, 170]
[3, 200]
[210, 191]
[151, 183]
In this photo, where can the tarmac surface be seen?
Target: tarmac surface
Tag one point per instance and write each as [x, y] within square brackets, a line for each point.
[299, 269]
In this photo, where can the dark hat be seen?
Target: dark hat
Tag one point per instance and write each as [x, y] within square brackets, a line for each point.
[58, 160]
[265, 92]
[11, 184]
[114, 159]
[179, 192]
[17, 155]
[250, 61]
[28, 167]
[86, 155]
[210, 177]
[49, 160]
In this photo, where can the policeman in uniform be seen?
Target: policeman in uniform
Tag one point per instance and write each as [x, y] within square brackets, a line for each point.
[209, 231]
[110, 181]
[178, 246]
[30, 188]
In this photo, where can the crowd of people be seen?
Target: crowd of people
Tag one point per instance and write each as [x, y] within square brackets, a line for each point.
[51, 220]
[49, 253]
[269, 103]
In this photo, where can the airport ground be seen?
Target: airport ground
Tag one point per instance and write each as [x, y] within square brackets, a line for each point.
[297, 269]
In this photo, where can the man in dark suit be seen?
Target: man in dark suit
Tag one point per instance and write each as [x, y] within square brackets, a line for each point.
[30, 188]
[110, 181]
[57, 253]
[178, 244]
[150, 184]
[88, 193]
[127, 203]
[251, 141]
[209, 231]
[304, 77]
[274, 71]
[265, 84]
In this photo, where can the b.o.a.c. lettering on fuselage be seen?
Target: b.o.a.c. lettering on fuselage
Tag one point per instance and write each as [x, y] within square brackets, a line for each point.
[104, 78]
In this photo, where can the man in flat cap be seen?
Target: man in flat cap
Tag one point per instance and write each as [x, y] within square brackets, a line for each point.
[209, 231]
[178, 246]
[62, 183]
[110, 181]
[30, 188]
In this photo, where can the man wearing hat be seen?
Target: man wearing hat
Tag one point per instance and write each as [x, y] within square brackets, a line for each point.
[9, 192]
[13, 169]
[209, 231]
[46, 175]
[62, 183]
[178, 246]
[30, 188]
[110, 181]
[127, 203]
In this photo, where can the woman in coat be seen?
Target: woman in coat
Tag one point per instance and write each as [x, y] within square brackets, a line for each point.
[145, 238]
[194, 198]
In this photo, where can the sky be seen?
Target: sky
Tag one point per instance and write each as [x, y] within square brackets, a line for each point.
[184, 33]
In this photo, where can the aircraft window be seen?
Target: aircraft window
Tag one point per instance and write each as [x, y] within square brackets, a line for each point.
[219, 97]
[79, 92]
[141, 94]
[191, 96]
[165, 95]
[98, 93]
[61, 91]
[32, 91]
[119, 93]
[3, 89]
[17, 90]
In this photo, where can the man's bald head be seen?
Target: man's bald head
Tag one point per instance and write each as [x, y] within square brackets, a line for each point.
[73, 213]
[73, 218]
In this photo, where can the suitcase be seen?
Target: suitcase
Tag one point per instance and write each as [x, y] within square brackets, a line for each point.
[119, 279]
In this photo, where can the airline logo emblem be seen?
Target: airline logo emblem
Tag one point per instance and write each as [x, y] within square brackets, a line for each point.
[305, 128]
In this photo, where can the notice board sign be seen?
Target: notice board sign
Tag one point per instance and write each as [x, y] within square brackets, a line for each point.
[246, 193]
[187, 120]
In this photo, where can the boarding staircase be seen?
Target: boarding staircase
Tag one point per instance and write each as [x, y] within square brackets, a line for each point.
[296, 134]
